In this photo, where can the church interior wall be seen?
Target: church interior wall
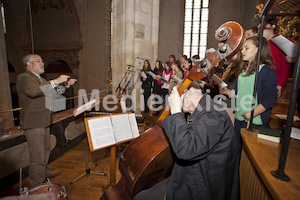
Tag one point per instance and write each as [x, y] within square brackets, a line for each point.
[79, 34]
[171, 23]
[221, 11]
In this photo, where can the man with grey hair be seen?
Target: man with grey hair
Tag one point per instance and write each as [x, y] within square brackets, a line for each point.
[205, 151]
[35, 116]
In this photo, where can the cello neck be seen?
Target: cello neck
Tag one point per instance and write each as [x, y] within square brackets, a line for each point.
[185, 84]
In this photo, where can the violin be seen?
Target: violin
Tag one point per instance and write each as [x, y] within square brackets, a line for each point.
[148, 160]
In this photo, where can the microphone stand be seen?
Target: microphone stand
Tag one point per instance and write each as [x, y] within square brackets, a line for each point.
[125, 75]
[128, 83]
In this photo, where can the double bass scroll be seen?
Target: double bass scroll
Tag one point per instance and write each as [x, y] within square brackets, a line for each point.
[148, 160]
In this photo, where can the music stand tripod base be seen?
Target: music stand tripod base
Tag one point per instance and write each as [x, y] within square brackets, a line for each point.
[88, 170]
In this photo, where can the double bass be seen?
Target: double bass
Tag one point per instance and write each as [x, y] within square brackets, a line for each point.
[148, 160]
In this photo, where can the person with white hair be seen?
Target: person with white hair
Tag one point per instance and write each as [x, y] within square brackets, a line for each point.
[36, 115]
[204, 149]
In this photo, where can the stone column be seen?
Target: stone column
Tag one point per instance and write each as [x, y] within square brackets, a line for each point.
[82, 9]
[135, 34]
[5, 100]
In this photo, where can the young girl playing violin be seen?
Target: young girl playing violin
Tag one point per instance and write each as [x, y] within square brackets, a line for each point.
[266, 95]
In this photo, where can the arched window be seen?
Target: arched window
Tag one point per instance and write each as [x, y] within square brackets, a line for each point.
[195, 27]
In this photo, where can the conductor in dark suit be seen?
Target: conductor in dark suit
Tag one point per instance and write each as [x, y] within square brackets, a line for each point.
[36, 116]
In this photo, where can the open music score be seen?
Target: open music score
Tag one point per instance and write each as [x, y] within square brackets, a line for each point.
[108, 130]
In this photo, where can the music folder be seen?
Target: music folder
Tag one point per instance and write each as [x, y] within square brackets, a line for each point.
[108, 130]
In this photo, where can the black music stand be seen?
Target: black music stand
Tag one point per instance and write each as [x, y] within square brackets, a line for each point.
[87, 170]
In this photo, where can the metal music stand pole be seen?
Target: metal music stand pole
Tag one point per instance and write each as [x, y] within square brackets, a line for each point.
[87, 170]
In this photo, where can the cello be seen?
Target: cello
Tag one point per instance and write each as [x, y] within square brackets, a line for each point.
[148, 159]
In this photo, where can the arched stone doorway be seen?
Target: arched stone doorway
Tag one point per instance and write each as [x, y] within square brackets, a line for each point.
[54, 67]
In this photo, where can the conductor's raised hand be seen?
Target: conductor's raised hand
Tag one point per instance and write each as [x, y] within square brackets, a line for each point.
[175, 102]
[71, 81]
[61, 79]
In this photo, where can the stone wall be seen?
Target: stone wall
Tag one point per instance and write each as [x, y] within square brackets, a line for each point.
[135, 34]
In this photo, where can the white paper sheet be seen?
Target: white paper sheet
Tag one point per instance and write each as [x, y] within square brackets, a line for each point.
[288, 47]
[296, 118]
[133, 124]
[101, 132]
[84, 107]
[152, 74]
[121, 127]
[176, 79]
[295, 133]
[143, 74]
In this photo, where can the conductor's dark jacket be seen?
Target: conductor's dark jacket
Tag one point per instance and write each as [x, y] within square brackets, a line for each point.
[206, 163]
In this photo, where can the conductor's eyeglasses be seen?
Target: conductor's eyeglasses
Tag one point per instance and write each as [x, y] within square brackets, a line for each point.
[38, 61]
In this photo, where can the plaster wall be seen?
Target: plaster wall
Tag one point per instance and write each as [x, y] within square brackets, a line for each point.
[95, 54]
[171, 24]
[135, 34]
[221, 11]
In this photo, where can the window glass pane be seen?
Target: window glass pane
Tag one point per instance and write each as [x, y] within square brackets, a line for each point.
[188, 3]
[202, 52]
[202, 49]
[196, 15]
[202, 55]
[187, 27]
[195, 48]
[187, 39]
[203, 40]
[188, 14]
[203, 36]
[193, 27]
[196, 27]
[204, 26]
[197, 4]
[186, 50]
[205, 3]
[204, 14]
[194, 51]
[195, 40]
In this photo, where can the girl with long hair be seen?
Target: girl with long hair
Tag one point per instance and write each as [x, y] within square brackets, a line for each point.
[187, 66]
[178, 72]
[167, 75]
[147, 84]
[266, 95]
[158, 70]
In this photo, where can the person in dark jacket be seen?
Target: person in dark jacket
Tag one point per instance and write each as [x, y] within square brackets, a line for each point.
[158, 70]
[205, 151]
[147, 80]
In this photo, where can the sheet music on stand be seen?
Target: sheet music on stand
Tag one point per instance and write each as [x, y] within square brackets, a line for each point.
[108, 130]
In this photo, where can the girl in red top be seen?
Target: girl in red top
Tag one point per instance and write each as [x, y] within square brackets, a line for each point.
[167, 75]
